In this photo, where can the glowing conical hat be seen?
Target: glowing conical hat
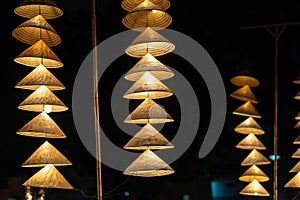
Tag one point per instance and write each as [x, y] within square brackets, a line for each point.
[251, 142]
[40, 76]
[48, 177]
[297, 126]
[296, 154]
[298, 116]
[147, 14]
[35, 29]
[297, 140]
[149, 41]
[148, 137]
[248, 110]
[255, 158]
[42, 126]
[148, 86]
[297, 80]
[254, 189]
[129, 5]
[148, 112]
[294, 182]
[39, 53]
[245, 78]
[249, 126]
[244, 94]
[148, 165]
[41, 100]
[254, 173]
[46, 154]
[31, 8]
[296, 168]
[151, 64]
[297, 96]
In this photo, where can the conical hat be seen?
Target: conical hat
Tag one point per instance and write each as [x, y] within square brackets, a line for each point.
[42, 126]
[35, 29]
[294, 182]
[39, 53]
[129, 5]
[46, 154]
[296, 154]
[254, 189]
[148, 137]
[297, 80]
[297, 96]
[297, 140]
[147, 14]
[48, 177]
[255, 158]
[297, 126]
[31, 8]
[42, 99]
[248, 110]
[151, 64]
[148, 164]
[244, 94]
[254, 173]
[245, 78]
[148, 112]
[298, 116]
[149, 41]
[40, 76]
[148, 86]
[296, 168]
[251, 142]
[249, 126]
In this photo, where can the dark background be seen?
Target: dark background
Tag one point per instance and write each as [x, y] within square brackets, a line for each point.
[217, 27]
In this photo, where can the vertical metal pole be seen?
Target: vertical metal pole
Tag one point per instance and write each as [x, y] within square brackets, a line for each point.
[275, 176]
[96, 102]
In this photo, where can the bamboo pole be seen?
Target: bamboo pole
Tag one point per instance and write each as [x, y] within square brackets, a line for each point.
[276, 35]
[96, 103]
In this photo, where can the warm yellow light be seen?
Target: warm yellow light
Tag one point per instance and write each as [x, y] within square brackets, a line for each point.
[248, 110]
[149, 41]
[129, 5]
[41, 126]
[296, 154]
[46, 154]
[245, 78]
[254, 173]
[142, 16]
[40, 76]
[148, 87]
[244, 94]
[39, 53]
[148, 138]
[35, 29]
[249, 126]
[48, 177]
[251, 142]
[151, 64]
[148, 112]
[148, 165]
[294, 182]
[40, 99]
[254, 189]
[31, 8]
[255, 158]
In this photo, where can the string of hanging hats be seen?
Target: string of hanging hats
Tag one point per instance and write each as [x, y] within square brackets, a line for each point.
[254, 176]
[40, 36]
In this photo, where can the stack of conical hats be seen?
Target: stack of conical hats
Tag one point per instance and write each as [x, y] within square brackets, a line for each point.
[249, 127]
[36, 32]
[148, 17]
